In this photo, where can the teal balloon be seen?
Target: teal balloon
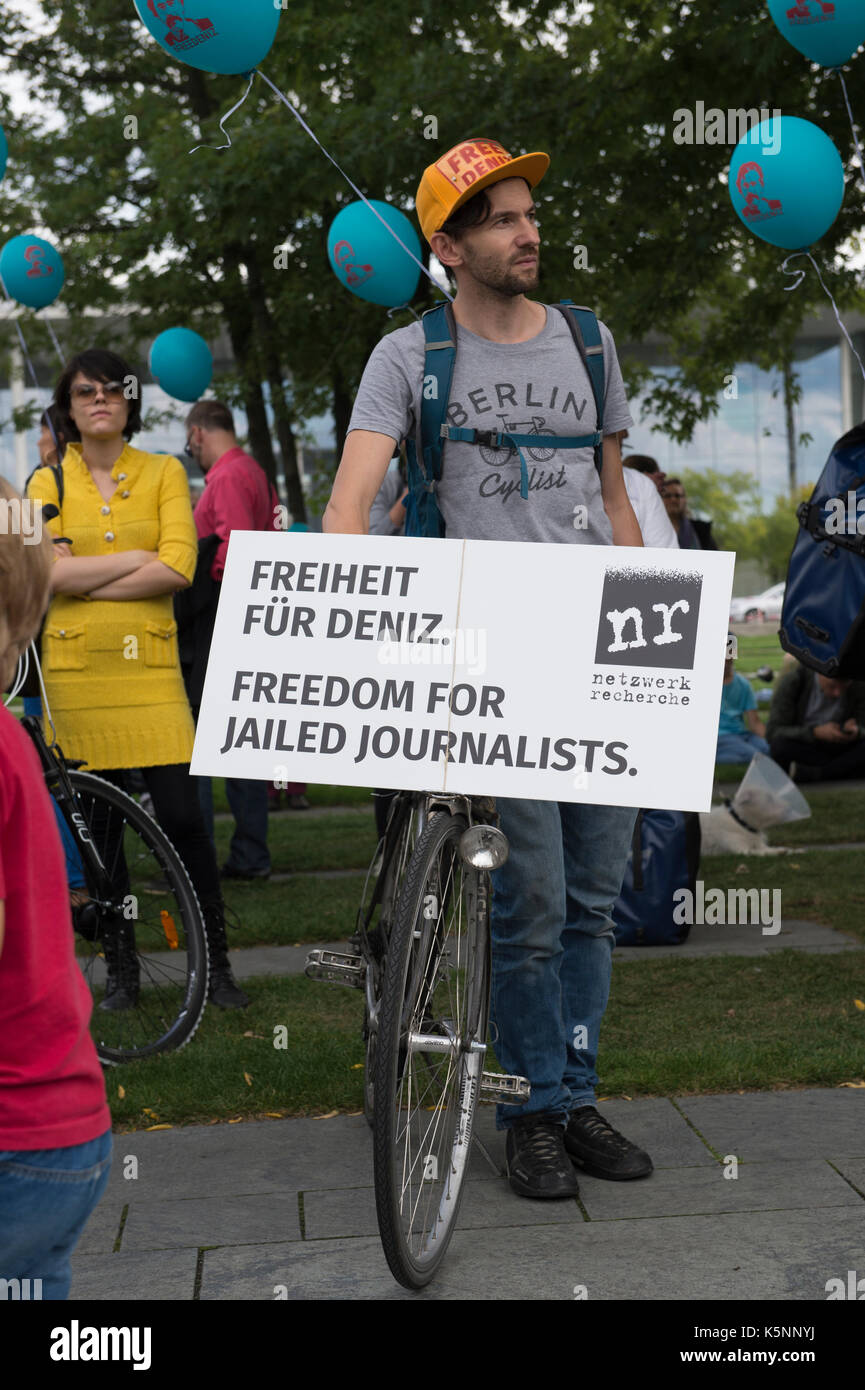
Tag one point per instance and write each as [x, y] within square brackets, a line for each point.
[368, 260]
[4, 151]
[182, 363]
[227, 36]
[827, 31]
[786, 182]
[32, 271]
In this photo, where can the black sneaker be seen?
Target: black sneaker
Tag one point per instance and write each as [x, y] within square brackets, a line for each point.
[538, 1165]
[599, 1149]
[229, 871]
[225, 991]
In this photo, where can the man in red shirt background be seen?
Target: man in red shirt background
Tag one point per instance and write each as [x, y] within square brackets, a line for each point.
[237, 496]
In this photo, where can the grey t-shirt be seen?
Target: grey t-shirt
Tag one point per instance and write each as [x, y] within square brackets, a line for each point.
[536, 387]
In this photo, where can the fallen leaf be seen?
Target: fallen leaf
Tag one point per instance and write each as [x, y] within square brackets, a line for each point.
[859, 1004]
[624, 1097]
[356, 1066]
[854, 1085]
[260, 1036]
[151, 1113]
[329, 1116]
[731, 1013]
[121, 1092]
[150, 1127]
[237, 1121]
[274, 1114]
[247, 1078]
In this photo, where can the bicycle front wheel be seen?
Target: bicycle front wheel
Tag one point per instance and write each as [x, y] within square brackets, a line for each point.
[431, 1042]
[375, 921]
[139, 925]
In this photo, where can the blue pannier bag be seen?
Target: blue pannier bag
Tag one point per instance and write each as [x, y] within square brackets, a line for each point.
[823, 616]
[664, 857]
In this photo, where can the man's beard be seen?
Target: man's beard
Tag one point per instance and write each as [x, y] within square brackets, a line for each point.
[506, 280]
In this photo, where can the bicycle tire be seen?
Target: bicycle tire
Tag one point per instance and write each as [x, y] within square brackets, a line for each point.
[440, 934]
[173, 988]
[395, 847]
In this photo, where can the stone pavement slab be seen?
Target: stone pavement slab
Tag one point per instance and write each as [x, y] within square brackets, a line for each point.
[285, 1208]
[738, 1256]
[166, 1275]
[781, 1124]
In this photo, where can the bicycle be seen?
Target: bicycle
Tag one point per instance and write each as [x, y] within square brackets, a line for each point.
[493, 456]
[431, 1023]
[138, 918]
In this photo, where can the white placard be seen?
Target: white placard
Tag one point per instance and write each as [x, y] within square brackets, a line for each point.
[554, 672]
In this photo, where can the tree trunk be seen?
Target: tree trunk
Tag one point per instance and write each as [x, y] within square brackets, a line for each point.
[236, 306]
[789, 401]
[282, 411]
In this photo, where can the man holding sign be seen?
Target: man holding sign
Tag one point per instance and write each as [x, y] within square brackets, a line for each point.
[517, 370]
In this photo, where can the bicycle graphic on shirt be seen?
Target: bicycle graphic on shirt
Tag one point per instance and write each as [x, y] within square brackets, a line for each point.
[536, 425]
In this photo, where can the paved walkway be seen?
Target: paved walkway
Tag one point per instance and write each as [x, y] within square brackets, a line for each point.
[286, 1208]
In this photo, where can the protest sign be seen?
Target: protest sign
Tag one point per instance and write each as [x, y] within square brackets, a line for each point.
[566, 673]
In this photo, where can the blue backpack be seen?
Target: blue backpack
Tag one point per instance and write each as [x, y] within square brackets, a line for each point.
[424, 451]
[823, 617]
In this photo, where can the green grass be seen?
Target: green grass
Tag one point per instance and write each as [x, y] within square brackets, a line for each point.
[299, 846]
[816, 887]
[673, 1027]
[316, 796]
[303, 910]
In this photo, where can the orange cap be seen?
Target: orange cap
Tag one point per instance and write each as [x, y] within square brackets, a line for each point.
[463, 171]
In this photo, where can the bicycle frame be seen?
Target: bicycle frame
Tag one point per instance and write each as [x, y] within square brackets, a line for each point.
[54, 763]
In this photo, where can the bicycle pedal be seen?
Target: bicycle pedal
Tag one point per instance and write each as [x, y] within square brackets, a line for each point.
[336, 968]
[507, 1090]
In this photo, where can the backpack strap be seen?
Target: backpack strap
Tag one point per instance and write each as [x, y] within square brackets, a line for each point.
[586, 334]
[57, 470]
[424, 451]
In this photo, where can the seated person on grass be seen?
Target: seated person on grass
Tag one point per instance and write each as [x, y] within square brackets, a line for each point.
[816, 726]
[736, 742]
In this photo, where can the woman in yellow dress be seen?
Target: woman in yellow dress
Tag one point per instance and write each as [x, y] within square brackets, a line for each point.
[109, 645]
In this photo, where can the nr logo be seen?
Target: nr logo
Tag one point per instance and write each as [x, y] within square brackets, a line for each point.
[649, 618]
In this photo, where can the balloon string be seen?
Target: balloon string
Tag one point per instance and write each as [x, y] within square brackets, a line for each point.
[234, 108]
[352, 185]
[852, 124]
[398, 308]
[21, 339]
[801, 274]
[58, 349]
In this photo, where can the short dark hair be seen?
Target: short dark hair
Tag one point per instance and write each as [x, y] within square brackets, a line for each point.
[472, 214]
[678, 482]
[210, 415]
[642, 462]
[98, 364]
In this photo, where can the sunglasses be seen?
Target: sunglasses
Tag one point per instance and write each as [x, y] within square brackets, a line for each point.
[111, 390]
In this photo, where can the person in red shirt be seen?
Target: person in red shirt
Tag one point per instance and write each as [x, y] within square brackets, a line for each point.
[238, 496]
[55, 1126]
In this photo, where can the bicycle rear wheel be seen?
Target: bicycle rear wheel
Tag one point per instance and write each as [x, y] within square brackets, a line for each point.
[142, 924]
[431, 1042]
[375, 921]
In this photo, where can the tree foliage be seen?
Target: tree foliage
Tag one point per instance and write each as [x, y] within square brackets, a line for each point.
[193, 238]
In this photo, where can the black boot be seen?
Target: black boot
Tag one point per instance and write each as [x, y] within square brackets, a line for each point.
[223, 988]
[122, 985]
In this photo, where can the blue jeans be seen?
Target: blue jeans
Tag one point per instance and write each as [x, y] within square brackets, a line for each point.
[739, 748]
[46, 1198]
[247, 799]
[553, 941]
